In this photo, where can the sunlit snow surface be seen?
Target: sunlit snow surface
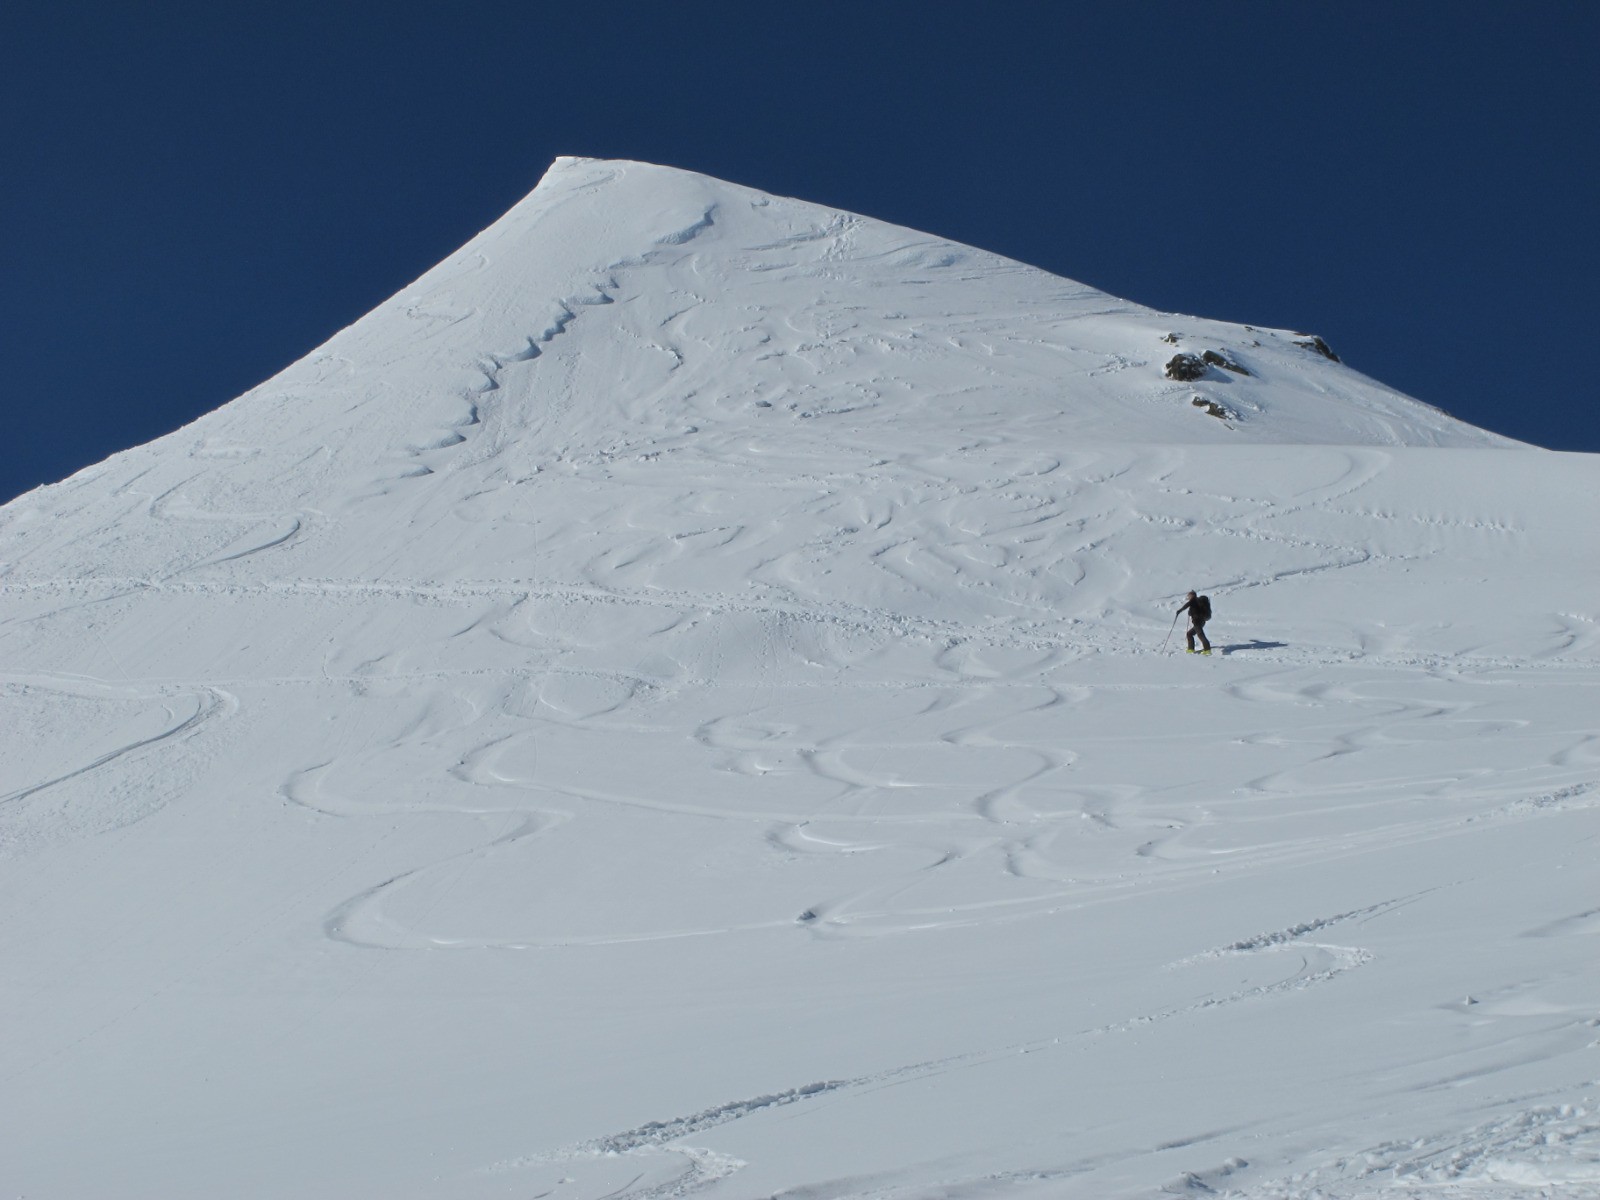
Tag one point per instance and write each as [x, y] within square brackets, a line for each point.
[679, 703]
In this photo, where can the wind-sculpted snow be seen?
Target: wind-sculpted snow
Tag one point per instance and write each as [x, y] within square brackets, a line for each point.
[685, 701]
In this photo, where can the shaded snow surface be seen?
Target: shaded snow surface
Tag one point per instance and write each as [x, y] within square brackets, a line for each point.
[674, 704]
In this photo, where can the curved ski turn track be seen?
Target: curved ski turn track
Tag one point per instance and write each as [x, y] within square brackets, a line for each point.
[707, 730]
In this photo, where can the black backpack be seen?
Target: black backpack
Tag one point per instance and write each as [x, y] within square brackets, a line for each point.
[1200, 610]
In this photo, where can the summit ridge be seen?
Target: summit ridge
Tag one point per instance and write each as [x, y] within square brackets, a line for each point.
[629, 311]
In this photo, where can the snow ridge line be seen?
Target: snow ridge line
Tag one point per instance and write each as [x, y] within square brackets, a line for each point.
[1557, 800]
[1339, 959]
[1282, 937]
[535, 344]
[655, 1135]
[491, 364]
[567, 312]
[707, 218]
[658, 1133]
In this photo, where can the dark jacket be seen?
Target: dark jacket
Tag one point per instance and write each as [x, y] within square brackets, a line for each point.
[1199, 609]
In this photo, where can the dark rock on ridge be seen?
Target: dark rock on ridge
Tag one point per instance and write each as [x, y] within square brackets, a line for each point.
[1220, 411]
[1185, 368]
[1217, 360]
[1311, 341]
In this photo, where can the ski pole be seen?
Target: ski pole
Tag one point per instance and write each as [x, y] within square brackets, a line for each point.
[1168, 638]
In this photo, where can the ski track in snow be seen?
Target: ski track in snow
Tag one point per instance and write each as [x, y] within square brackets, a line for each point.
[115, 726]
[829, 625]
[1002, 830]
[988, 824]
[947, 774]
[704, 1167]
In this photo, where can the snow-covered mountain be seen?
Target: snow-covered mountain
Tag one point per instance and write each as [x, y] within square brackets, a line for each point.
[683, 700]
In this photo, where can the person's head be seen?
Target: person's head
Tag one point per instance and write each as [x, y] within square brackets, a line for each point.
[1190, 596]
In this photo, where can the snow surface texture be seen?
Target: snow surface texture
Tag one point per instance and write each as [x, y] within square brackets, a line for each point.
[674, 704]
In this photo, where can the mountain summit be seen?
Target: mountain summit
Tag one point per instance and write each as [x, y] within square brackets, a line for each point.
[684, 701]
[624, 312]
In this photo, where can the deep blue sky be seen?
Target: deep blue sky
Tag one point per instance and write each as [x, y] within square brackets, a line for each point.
[194, 195]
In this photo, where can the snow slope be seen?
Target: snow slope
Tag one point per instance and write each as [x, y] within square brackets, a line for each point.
[675, 703]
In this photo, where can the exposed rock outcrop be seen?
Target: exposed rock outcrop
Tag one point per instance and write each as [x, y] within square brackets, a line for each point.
[1227, 364]
[1310, 341]
[1185, 368]
[1221, 411]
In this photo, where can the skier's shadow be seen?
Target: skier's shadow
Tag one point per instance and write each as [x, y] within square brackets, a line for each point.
[1257, 644]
